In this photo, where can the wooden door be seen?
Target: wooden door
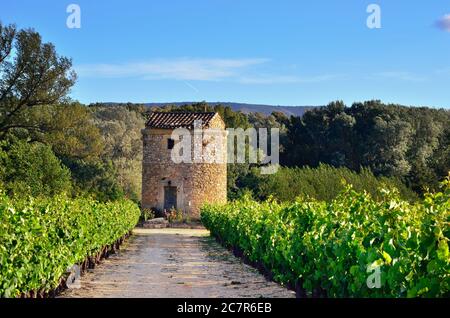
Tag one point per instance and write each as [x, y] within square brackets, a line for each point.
[170, 198]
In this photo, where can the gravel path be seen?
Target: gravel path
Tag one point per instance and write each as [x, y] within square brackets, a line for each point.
[180, 263]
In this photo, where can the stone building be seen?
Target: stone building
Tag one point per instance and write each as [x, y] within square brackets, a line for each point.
[185, 186]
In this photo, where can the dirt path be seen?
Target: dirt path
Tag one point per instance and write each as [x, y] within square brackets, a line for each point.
[174, 263]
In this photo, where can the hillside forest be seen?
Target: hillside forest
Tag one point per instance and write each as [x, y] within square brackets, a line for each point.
[51, 144]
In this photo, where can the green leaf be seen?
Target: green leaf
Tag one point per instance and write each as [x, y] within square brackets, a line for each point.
[387, 257]
[442, 251]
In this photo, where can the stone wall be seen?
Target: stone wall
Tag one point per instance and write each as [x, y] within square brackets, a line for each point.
[197, 183]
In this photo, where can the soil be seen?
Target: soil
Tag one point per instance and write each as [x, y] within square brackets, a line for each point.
[174, 262]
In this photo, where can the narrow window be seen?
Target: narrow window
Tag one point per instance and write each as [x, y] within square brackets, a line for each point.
[170, 143]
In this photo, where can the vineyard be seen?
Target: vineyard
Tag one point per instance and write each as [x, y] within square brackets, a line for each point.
[41, 238]
[335, 249]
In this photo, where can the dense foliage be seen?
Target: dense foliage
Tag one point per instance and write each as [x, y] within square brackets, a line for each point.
[53, 149]
[41, 238]
[120, 129]
[32, 169]
[410, 143]
[322, 183]
[50, 144]
[406, 144]
[31, 74]
[334, 247]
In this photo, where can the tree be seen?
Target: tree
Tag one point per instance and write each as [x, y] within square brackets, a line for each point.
[70, 130]
[31, 74]
[406, 142]
[121, 136]
[32, 169]
[95, 179]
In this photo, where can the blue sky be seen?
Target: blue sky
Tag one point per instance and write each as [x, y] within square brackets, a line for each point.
[270, 52]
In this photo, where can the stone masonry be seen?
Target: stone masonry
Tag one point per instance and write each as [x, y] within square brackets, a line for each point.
[189, 185]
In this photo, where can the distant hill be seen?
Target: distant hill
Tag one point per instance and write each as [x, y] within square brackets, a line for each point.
[249, 108]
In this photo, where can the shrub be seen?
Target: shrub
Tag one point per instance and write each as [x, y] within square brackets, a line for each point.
[323, 183]
[329, 247]
[147, 214]
[174, 216]
[41, 238]
[32, 169]
[94, 179]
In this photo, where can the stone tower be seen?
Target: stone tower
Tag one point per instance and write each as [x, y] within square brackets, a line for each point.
[185, 186]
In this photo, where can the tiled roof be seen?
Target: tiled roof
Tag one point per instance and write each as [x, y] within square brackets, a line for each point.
[178, 120]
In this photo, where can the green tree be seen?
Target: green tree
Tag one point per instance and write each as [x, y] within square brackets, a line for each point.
[95, 179]
[392, 140]
[32, 169]
[31, 74]
[120, 129]
[322, 183]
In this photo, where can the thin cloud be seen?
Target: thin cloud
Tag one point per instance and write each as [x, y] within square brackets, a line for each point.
[175, 69]
[443, 71]
[270, 79]
[444, 23]
[192, 87]
[190, 69]
[403, 76]
[267, 79]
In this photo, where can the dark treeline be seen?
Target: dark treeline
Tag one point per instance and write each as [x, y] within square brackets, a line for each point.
[409, 143]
